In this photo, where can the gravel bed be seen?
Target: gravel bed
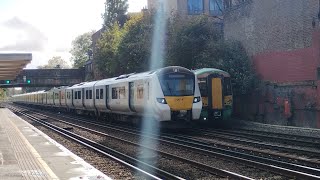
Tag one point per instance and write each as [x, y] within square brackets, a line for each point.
[175, 167]
[192, 155]
[276, 153]
[231, 166]
[229, 138]
[107, 166]
[247, 125]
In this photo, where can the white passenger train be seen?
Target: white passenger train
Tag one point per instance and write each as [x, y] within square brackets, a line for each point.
[167, 94]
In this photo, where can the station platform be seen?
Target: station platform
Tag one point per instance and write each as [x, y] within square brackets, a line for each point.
[27, 153]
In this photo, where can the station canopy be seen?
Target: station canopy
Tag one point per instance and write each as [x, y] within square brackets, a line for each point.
[11, 64]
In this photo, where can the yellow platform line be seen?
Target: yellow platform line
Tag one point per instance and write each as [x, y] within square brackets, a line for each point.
[35, 153]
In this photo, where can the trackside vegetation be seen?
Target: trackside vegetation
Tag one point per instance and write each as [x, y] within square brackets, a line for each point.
[193, 42]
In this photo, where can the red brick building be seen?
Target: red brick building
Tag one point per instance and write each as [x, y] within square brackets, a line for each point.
[283, 39]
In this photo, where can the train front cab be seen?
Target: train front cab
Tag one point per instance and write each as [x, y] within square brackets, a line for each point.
[180, 92]
[216, 92]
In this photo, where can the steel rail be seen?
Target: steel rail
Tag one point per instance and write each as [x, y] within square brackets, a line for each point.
[212, 170]
[292, 141]
[295, 171]
[115, 155]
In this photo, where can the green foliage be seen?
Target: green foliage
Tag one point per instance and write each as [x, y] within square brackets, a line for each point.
[81, 46]
[106, 55]
[196, 43]
[125, 50]
[193, 42]
[56, 62]
[134, 49]
[115, 11]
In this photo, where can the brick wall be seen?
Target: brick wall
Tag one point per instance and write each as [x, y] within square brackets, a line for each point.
[287, 66]
[272, 25]
[285, 48]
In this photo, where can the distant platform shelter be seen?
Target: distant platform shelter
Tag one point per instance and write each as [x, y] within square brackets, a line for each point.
[11, 64]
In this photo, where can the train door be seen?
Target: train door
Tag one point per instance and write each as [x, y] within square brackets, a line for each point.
[107, 97]
[72, 97]
[60, 97]
[83, 98]
[215, 95]
[53, 96]
[131, 96]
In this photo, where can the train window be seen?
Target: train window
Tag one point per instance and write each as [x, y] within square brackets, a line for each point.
[227, 87]
[203, 87]
[177, 84]
[140, 92]
[114, 93]
[148, 89]
[101, 93]
[122, 93]
[75, 95]
[90, 94]
[97, 94]
[87, 96]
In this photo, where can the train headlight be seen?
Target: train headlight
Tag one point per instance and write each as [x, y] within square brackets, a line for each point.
[196, 99]
[162, 100]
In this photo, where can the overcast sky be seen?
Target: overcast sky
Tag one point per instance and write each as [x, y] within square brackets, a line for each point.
[46, 28]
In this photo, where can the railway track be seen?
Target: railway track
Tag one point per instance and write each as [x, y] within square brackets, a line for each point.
[126, 159]
[303, 141]
[115, 155]
[286, 169]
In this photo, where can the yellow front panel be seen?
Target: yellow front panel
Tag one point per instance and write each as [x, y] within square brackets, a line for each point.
[216, 86]
[204, 101]
[177, 103]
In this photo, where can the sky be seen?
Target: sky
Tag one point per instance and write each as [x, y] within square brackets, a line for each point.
[46, 28]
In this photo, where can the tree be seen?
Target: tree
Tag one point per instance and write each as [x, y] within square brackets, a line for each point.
[127, 49]
[106, 55]
[188, 39]
[134, 49]
[56, 62]
[195, 43]
[115, 11]
[81, 46]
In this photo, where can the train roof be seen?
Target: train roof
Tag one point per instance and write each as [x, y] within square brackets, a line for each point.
[30, 93]
[207, 71]
[83, 85]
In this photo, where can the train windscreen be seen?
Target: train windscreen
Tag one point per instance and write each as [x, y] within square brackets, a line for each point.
[177, 84]
[227, 86]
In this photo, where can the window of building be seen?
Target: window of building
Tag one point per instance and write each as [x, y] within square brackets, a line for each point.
[97, 94]
[216, 7]
[101, 93]
[195, 7]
